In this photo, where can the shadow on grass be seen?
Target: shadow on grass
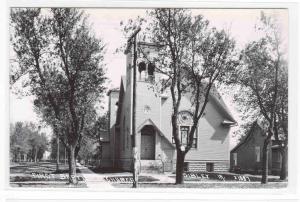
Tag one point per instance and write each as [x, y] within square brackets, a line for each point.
[65, 171]
[30, 173]
[105, 170]
[30, 167]
[45, 185]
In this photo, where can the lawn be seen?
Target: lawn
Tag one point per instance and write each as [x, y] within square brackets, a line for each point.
[225, 177]
[247, 185]
[41, 174]
[44, 175]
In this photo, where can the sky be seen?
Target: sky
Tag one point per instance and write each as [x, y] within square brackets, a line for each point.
[105, 23]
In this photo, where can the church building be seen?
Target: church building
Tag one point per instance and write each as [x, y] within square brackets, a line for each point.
[156, 147]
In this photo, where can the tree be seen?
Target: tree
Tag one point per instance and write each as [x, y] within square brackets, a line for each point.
[193, 58]
[281, 122]
[26, 142]
[89, 150]
[263, 78]
[94, 134]
[38, 143]
[54, 149]
[18, 141]
[63, 63]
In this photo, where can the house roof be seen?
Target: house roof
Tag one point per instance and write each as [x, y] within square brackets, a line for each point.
[247, 137]
[215, 95]
[112, 90]
[150, 122]
[120, 99]
[123, 80]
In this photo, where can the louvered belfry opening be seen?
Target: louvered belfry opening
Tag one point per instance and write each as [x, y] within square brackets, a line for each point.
[146, 72]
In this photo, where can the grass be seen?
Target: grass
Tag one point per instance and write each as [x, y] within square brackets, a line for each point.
[129, 179]
[47, 185]
[274, 185]
[41, 174]
[228, 177]
[44, 175]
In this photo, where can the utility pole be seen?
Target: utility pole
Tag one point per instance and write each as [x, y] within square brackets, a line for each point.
[132, 39]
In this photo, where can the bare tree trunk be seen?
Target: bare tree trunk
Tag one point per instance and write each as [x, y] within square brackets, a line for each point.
[72, 164]
[179, 167]
[35, 155]
[265, 161]
[283, 171]
[69, 158]
[77, 149]
[57, 154]
[65, 156]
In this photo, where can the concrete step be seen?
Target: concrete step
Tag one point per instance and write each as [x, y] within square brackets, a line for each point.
[154, 166]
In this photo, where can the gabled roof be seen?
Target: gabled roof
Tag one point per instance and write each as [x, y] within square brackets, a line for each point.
[215, 95]
[248, 136]
[120, 99]
[150, 122]
[216, 98]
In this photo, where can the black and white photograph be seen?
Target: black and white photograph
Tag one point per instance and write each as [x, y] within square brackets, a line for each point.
[140, 98]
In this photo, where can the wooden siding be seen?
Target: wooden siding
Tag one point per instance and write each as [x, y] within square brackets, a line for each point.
[213, 138]
[246, 156]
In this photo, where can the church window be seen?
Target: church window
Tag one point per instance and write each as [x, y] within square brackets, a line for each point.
[185, 122]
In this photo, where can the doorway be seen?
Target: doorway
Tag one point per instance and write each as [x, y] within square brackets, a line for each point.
[148, 143]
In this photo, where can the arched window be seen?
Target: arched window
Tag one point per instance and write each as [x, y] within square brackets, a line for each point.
[151, 69]
[185, 122]
[142, 66]
[142, 70]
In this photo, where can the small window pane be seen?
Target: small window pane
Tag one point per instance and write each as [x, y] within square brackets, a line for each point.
[184, 130]
[235, 158]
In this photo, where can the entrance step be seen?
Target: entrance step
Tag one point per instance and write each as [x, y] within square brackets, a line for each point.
[154, 166]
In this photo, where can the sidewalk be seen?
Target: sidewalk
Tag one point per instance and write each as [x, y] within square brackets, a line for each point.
[93, 180]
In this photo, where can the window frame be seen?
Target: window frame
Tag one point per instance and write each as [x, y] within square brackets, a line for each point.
[195, 136]
[234, 158]
[210, 167]
[257, 154]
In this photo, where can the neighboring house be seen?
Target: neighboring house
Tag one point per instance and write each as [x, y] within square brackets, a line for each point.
[105, 161]
[276, 159]
[155, 144]
[246, 156]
